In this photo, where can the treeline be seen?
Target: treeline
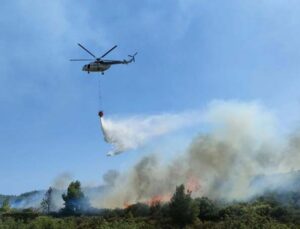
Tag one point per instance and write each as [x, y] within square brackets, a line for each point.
[271, 210]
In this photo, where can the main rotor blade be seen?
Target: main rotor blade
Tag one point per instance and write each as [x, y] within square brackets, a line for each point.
[108, 51]
[82, 59]
[133, 55]
[81, 46]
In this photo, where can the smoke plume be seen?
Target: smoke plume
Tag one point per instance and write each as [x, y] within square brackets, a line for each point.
[242, 141]
[62, 181]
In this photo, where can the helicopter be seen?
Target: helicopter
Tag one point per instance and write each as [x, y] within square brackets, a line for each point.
[100, 65]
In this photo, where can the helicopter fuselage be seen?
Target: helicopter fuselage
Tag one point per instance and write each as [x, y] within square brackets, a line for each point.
[101, 65]
[95, 67]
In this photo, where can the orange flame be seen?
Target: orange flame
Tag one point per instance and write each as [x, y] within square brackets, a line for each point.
[153, 200]
[159, 199]
[192, 185]
[126, 204]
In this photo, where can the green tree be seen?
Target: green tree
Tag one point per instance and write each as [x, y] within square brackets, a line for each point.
[208, 209]
[5, 206]
[139, 210]
[75, 201]
[155, 209]
[183, 210]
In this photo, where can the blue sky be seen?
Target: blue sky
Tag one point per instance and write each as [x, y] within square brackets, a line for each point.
[190, 52]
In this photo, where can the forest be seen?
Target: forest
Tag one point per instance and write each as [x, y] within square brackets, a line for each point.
[269, 210]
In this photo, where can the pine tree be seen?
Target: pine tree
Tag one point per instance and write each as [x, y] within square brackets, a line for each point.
[5, 206]
[75, 201]
[183, 209]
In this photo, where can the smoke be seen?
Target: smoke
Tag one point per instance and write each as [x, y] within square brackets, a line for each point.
[130, 133]
[27, 200]
[242, 141]
[240, 152]
[110, 177]
[62, 181]
[60, 184]
[33, 199]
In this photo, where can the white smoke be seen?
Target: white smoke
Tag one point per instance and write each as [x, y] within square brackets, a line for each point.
[243, 141]
[60, 184]
[130, 133]
[62, 181]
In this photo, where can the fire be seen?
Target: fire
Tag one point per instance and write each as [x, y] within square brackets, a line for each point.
[153, 200]
[126, 204]
[159, 199]
[192, 185]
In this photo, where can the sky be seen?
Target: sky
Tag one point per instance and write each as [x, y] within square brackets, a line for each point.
[190, 52]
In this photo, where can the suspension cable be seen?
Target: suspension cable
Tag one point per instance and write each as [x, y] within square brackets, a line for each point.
[100, 100]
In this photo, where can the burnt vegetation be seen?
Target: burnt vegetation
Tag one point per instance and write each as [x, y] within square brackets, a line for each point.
[271, 210]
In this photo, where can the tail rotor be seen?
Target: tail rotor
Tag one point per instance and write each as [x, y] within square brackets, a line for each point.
[133, 57]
